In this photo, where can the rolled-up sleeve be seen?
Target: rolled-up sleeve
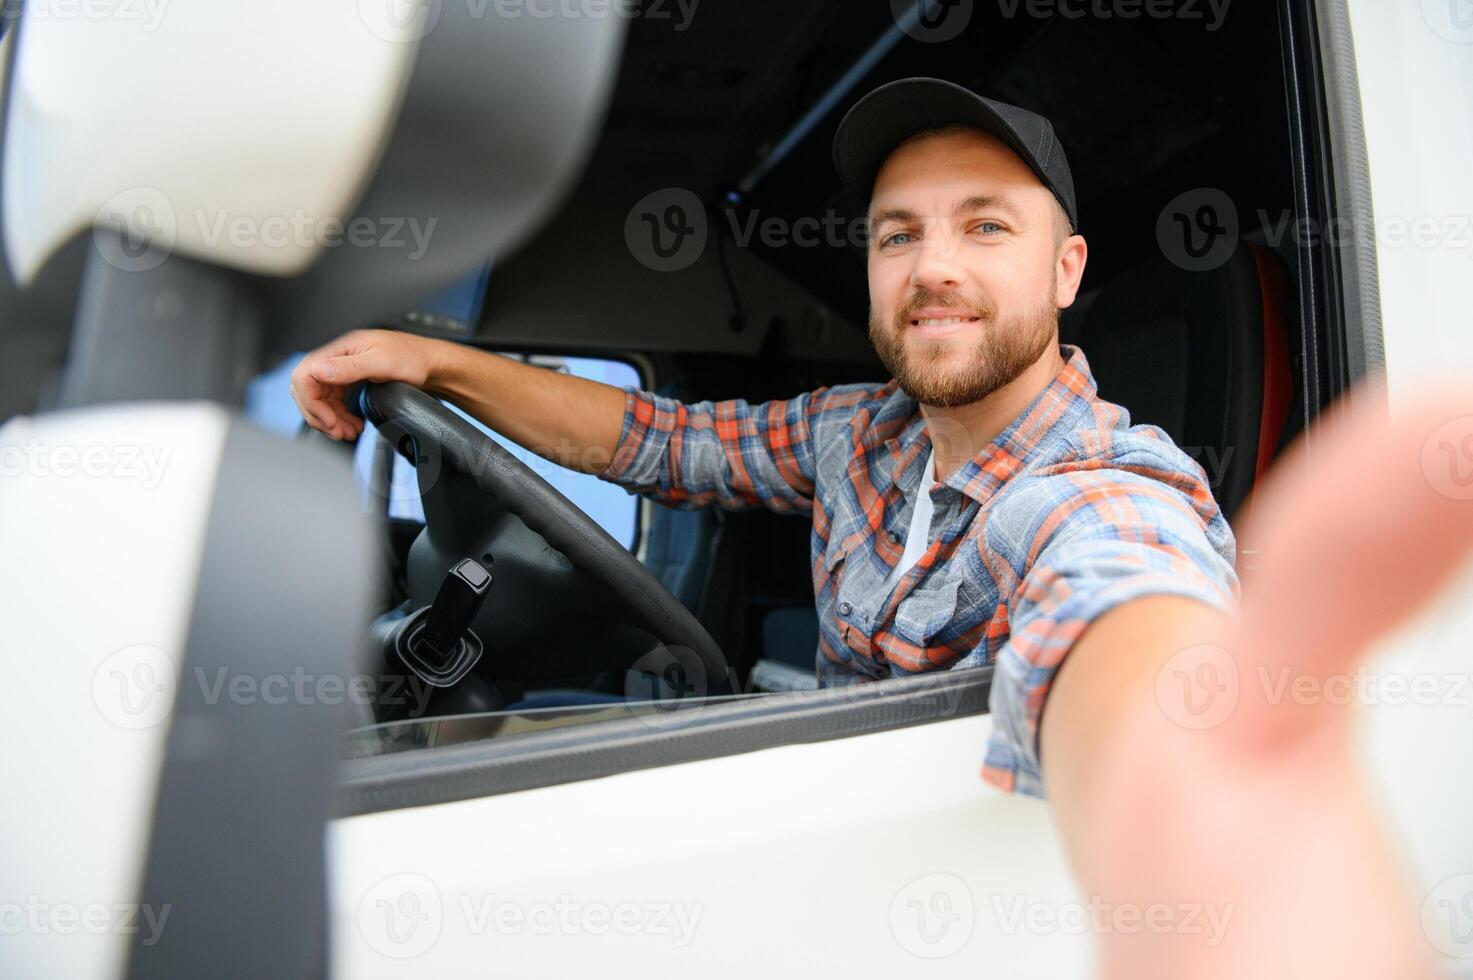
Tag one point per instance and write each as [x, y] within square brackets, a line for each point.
[728, 454]
[1083, 543]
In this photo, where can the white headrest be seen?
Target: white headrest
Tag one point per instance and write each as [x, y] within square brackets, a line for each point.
[185, 118]
[362, 154]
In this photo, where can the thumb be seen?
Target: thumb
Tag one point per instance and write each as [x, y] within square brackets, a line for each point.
[347, 369]
[1354, 538]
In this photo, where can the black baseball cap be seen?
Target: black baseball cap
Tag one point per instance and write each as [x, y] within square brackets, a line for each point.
[892, 113]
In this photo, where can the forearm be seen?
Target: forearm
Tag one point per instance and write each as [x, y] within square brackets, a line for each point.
[572, 421]
[1103, 692]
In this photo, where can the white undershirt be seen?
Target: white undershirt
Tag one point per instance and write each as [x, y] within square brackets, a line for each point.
[920, 527]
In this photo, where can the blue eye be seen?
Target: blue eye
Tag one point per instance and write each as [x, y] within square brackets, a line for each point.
[894, 239]
[983, 226]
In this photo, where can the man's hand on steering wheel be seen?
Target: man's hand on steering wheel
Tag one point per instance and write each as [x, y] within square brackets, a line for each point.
[572, 421]
[320, 380]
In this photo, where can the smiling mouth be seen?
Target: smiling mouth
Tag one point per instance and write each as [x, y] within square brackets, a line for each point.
[946, 321]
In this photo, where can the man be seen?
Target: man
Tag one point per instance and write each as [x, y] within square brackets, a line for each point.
[986, 507]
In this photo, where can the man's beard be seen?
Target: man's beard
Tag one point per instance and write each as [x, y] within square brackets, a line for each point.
[1006, 349]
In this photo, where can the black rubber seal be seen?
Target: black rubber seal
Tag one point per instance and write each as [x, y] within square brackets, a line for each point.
[426, 777]
[1360, 274]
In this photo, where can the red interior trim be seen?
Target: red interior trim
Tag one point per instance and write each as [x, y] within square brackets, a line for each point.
[1278, 383]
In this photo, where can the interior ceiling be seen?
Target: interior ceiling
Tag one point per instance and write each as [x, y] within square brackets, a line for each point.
[1145, 108]
[723, 85]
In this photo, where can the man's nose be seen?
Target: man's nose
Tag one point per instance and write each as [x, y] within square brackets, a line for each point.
[936, 265]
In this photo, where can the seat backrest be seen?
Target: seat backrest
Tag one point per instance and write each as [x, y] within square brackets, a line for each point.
[679, 551]
[1203, 355]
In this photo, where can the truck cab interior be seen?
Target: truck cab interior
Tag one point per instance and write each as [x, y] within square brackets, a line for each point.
[1199, 311]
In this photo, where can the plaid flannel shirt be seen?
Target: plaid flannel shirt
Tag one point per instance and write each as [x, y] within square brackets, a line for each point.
[1069, 512]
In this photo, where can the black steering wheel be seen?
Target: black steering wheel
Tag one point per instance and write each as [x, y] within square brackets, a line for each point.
[567, 599]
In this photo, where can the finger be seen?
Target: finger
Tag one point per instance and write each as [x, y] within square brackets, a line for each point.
[320, 413]
[349, 427]
[314, 399]
[347, 417]
[1354, 538]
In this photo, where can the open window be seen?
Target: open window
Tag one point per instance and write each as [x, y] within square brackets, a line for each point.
[1210, 148]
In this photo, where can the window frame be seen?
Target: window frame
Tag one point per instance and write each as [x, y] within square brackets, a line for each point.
[1339, 284]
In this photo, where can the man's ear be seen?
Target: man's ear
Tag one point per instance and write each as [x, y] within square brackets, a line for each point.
[1069, 270]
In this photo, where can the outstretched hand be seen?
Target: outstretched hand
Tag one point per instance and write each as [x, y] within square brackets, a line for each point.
[1221, 787]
